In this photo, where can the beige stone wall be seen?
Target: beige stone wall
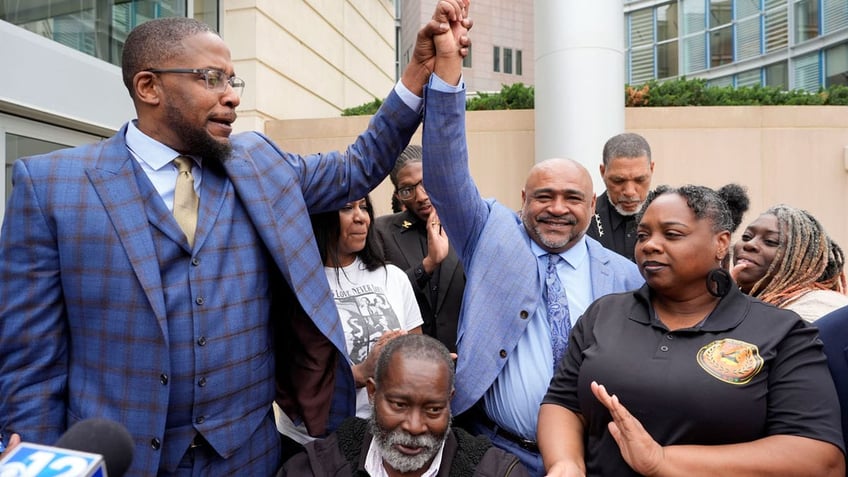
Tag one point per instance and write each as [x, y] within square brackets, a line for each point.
[795, 155]
[309, 58]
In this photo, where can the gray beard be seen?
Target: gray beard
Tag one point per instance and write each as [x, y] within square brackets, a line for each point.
[397, 460]
[627, 213]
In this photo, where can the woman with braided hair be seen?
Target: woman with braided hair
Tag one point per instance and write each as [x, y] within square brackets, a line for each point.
[786, 258]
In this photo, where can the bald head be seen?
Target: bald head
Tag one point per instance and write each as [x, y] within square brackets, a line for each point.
[558, 166]
[558, 201]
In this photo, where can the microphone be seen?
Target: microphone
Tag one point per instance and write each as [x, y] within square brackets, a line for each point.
[90, 448]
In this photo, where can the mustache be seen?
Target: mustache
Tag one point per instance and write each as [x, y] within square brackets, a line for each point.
[400, 437]
[568, 219]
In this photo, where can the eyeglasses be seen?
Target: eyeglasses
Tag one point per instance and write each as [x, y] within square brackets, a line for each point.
[408, 191]
[216, 80]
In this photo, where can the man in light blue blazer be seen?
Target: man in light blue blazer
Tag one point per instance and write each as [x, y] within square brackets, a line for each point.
[505, 358]
[109, 308]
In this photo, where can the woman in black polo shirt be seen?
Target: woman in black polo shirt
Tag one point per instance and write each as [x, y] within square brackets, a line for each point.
[688, 375]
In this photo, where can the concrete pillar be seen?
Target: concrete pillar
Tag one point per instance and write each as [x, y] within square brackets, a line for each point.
[579, 47]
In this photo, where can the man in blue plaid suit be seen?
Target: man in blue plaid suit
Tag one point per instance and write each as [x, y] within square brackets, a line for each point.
[109, 309]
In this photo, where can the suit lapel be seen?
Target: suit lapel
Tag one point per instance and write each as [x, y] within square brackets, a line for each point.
[114, 180]
[602, 275]
[409, 244]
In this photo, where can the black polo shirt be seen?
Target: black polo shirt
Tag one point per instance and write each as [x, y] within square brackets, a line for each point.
[748, 371]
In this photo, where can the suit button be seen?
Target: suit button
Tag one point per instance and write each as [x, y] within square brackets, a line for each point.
[195, 261]
[524, 314]
[200, 420]
[202, 382]
[155, 443]
[199, 300]
[163, 378]
[201, 341]
[503, 353]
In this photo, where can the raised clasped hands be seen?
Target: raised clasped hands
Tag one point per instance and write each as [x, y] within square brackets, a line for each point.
[641, 452]
[450, 16]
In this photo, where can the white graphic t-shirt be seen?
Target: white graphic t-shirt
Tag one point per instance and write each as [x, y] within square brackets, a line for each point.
[371, 303]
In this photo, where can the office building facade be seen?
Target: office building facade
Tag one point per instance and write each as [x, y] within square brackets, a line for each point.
[62, 82]
[790, 44]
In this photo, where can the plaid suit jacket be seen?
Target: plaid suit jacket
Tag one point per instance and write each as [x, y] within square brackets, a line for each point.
[503, 284]
[83, 322]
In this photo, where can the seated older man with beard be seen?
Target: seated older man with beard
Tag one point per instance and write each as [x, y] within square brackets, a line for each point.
[409, 433]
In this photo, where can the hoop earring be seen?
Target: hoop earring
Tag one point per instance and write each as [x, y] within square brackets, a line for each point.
[719, 282]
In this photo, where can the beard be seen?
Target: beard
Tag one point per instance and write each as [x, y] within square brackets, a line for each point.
[387, 439]
[197, 140]
[628, 213]
[553, 244]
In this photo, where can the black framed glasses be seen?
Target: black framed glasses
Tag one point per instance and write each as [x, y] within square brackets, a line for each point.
[216, 80]
[408, 191]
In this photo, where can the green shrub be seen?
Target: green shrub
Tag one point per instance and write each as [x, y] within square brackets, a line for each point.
[678, 92]
[515, 96]
[364, 109]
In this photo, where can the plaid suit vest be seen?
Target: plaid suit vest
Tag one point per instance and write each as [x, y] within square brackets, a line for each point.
[217, 299]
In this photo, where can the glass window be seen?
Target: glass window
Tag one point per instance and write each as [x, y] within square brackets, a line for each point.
[835, 15]
[667, 63]
[721, 82]
[748, 38]
[642, 27]
[694, 53]
[466, 62]
[496, 62]
[748, 78]
[507, 64]
[747, 8]
[694, 16]
[806, 20]
[721, 13]
[777, 75]
[98, 27]
[518, 62]
[776, 29]
[807, 72]
[721, 46]
[641, 65]
[836, 65]
[666, 22]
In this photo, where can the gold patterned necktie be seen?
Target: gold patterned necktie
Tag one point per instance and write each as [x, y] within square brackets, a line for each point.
[185, 198]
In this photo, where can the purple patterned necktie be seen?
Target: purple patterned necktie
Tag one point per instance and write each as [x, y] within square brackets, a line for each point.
[558, 318]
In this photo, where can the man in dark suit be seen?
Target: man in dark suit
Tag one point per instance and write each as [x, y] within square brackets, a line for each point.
[140, 276]
[414, 241]
[626, 169]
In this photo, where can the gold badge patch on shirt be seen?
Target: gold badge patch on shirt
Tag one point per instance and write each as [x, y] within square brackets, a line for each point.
[730, 360]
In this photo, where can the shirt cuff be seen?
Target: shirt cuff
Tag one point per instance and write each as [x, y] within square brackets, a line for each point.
[416, 103]
[409, 98]
[439, 84]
